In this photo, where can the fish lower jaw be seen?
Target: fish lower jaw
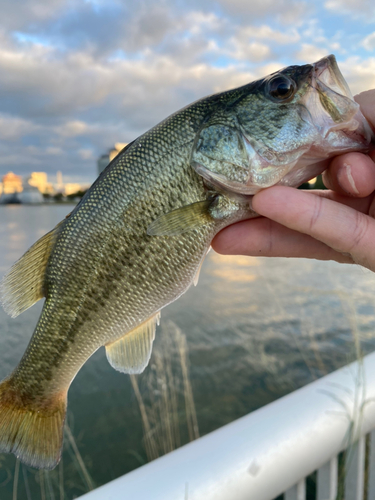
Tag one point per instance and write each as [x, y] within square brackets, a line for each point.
[259, 178]
[268, 176]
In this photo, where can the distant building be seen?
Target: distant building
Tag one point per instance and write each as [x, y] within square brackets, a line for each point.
[103, 162]
[39, 180]
[59, 182]
[72, 188]
[30, 194]
[12, 183]
[119, 146]
[106, 158]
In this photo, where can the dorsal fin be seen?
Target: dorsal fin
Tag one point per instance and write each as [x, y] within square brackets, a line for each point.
[132, 352]
[23, 285]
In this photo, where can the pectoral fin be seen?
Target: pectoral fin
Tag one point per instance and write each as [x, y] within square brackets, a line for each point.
[23, 285]
[181, 220]
[197, 274]
[132, 352]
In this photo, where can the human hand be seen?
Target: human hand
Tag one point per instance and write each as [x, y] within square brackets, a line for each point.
[337, 224]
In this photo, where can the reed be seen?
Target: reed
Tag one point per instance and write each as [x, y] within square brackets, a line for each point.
[77, 455]
[165, 396]
[15, 481]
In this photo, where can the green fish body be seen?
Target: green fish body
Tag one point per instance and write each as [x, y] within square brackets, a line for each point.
[137, 239]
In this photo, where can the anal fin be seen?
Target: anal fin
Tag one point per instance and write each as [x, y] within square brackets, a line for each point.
[132, 352]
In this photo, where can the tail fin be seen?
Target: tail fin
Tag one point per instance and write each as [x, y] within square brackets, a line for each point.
[32, 431]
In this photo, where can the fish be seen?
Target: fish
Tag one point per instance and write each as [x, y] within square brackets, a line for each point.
[137, 239]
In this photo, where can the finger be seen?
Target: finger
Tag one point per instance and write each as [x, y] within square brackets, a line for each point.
[351, 174]
[360, 204]
[265, 238]
[366, 100]
[340, 227]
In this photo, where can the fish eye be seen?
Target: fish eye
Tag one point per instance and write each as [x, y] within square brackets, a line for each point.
[280, 88]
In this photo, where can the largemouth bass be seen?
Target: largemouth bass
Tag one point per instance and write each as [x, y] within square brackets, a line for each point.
[137, 239]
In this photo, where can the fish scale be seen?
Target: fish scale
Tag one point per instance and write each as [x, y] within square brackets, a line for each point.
[138, 237]
[81, 326]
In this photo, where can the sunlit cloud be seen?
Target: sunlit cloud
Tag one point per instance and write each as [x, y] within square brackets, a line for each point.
[72, 128]
[360, 74]
[253, 51]
[265, 32]
[310, 53]
[76, 77]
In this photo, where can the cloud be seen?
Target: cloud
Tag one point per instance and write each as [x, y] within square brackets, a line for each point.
[265, 32]
[310, 53]
[54, 151]
[72, 128]
[245, 45]
[369, 42]
[86, 154]
[364, 9]
[76, 76]
[360, 74]
[13, 128]
[199, 22]
[253, 51]
[19, 14]
[287, 11]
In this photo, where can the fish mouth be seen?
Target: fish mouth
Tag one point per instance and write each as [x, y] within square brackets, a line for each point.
[329, 123]
[340, 112]
[331, 109]
[327, 72]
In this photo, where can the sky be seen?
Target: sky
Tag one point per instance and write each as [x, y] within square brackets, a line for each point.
[76, 76]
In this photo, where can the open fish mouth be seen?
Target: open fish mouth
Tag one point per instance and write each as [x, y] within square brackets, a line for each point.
[326, 71]
[330, 107]
[316, 118]
[341, 112]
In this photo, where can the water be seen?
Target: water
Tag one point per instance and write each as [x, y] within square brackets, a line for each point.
[256, 330]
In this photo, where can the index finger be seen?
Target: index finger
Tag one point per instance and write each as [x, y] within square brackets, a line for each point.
[341, 227]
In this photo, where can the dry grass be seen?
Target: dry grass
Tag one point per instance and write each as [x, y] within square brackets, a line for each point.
[165, 395]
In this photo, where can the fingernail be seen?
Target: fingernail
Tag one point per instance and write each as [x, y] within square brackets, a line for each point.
[348, 169]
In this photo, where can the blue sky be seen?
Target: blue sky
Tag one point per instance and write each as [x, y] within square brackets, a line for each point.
[76, 76]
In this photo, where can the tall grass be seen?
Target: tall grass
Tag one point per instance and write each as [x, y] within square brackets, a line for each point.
[165, 396]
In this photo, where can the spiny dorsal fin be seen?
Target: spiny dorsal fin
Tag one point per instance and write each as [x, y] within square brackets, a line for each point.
[23, 285]
[132, 352]
[181, 220]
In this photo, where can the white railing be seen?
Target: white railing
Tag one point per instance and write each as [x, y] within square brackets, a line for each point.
[271, 450]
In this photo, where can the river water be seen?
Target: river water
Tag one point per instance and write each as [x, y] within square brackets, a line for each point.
[252, 331]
